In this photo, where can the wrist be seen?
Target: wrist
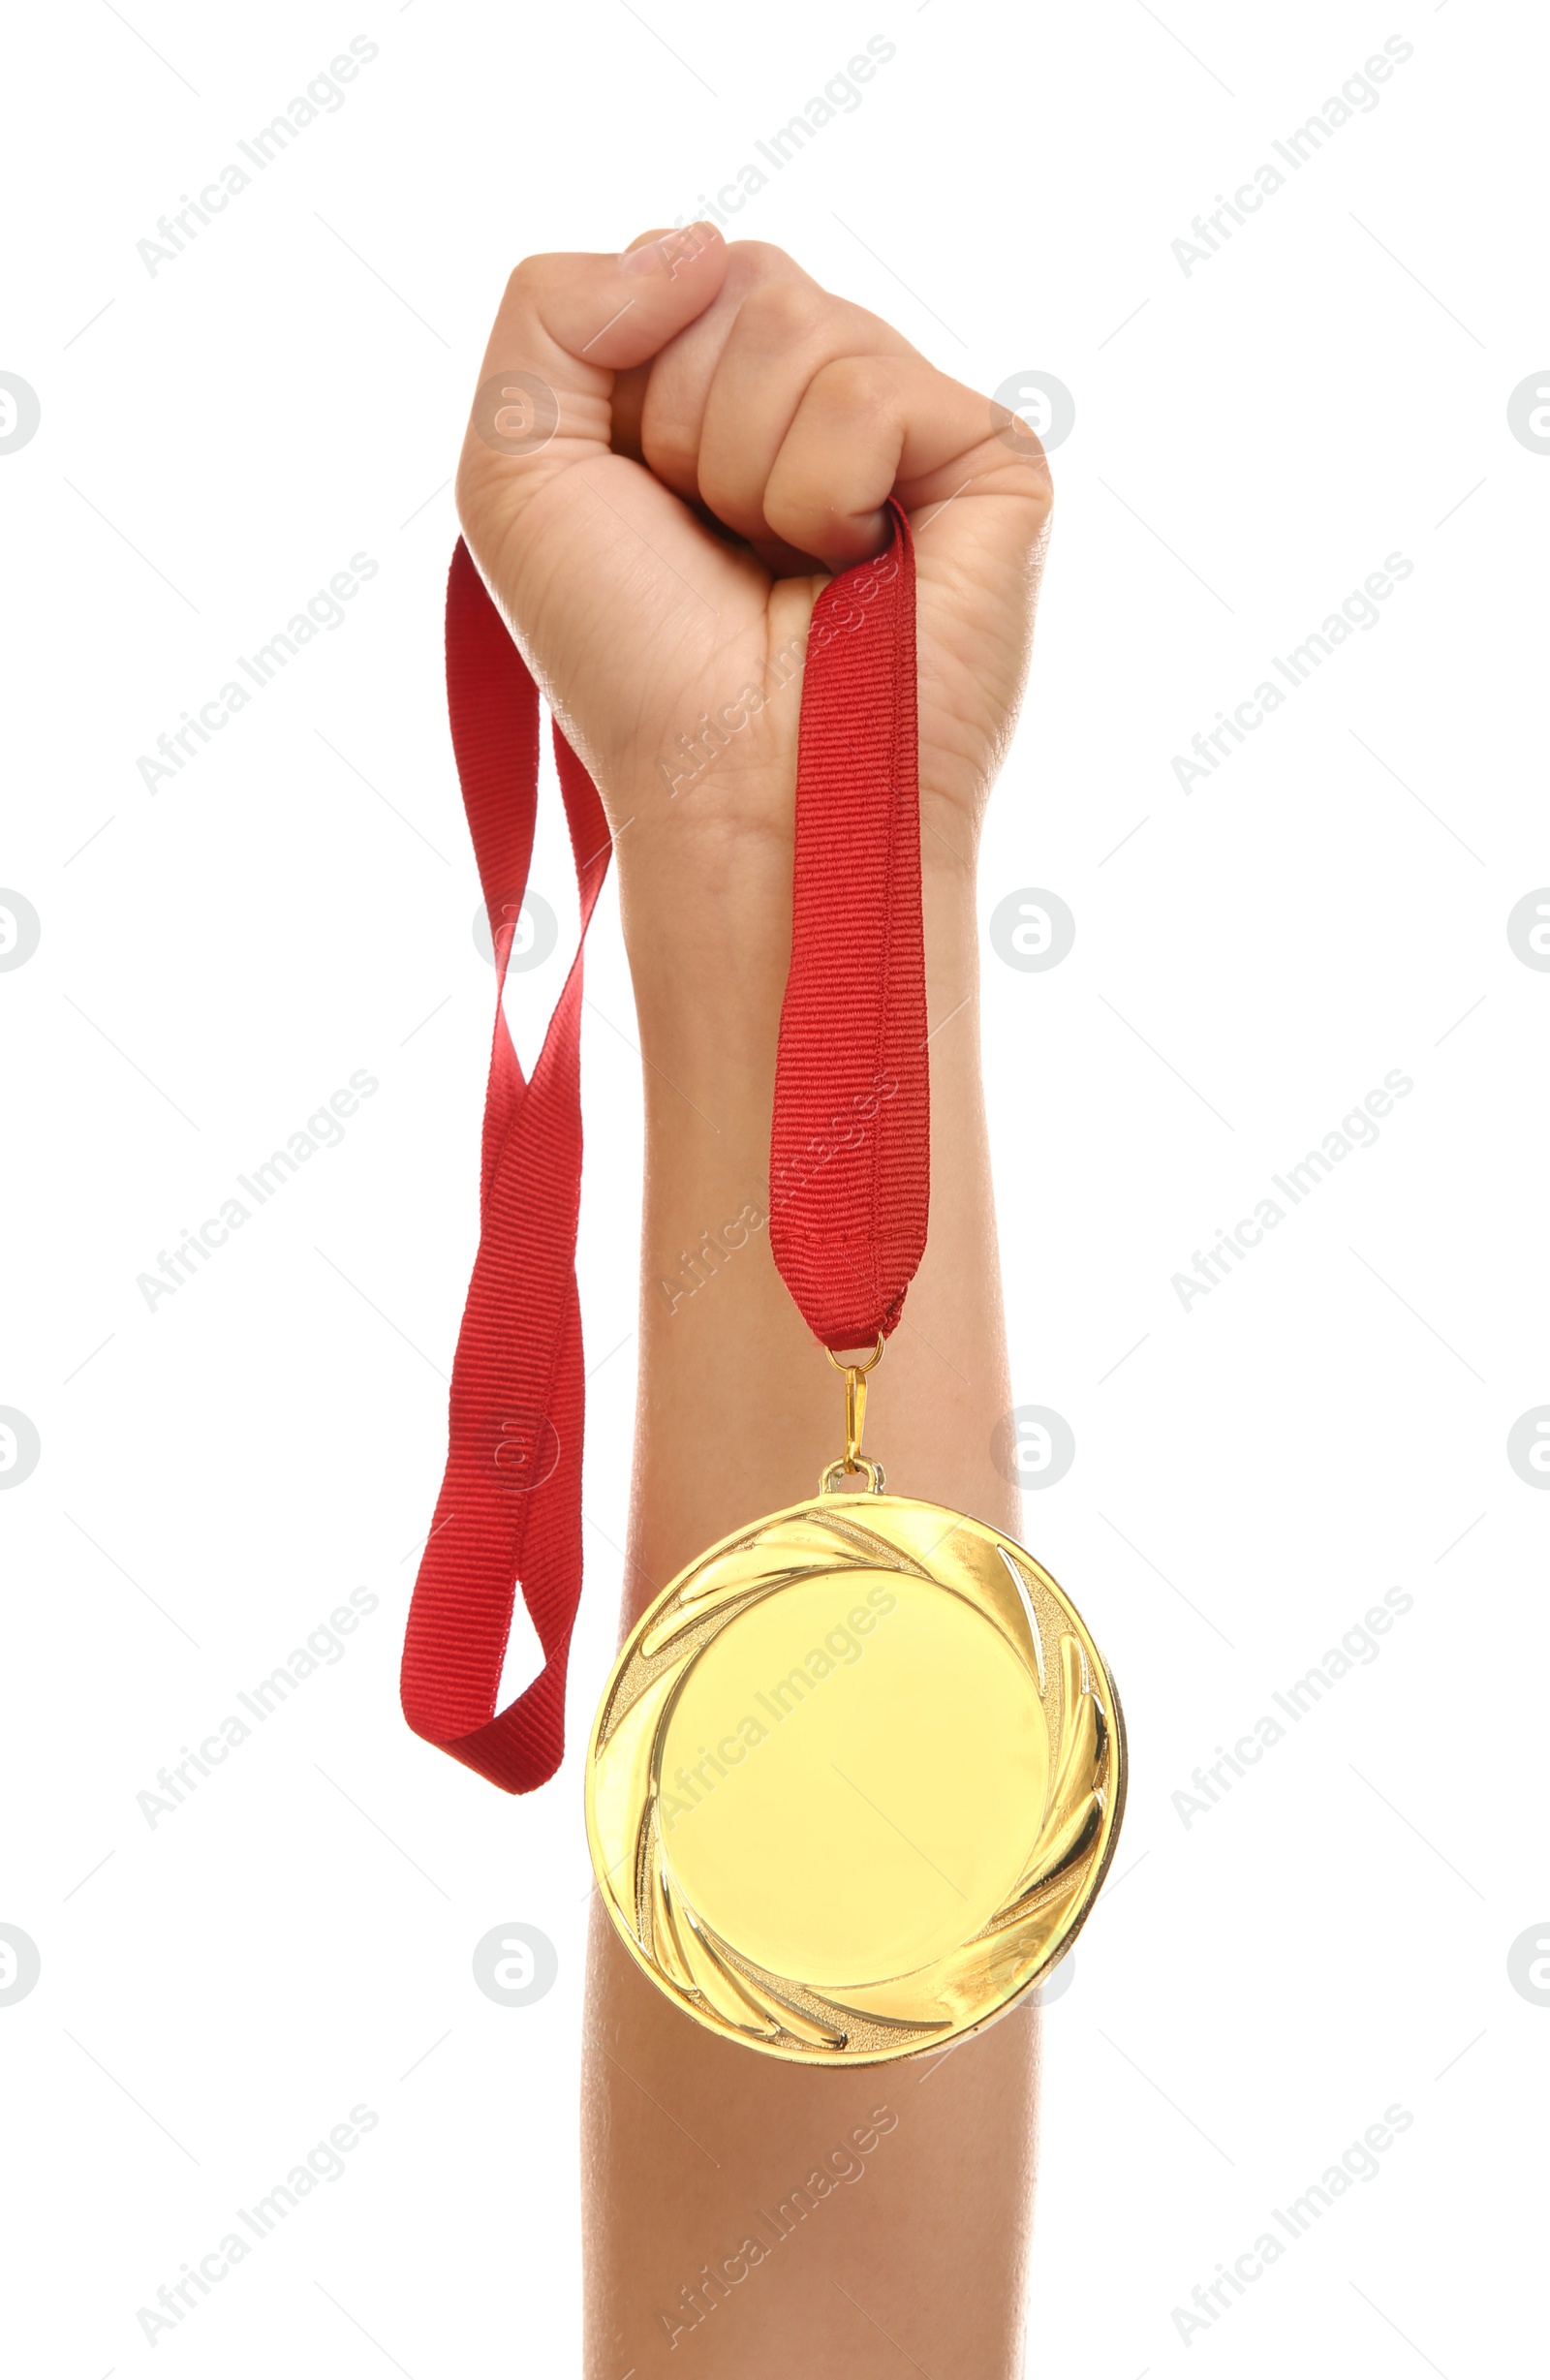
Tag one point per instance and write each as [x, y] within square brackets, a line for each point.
[707, 932]
[709, 982]
[706, 916]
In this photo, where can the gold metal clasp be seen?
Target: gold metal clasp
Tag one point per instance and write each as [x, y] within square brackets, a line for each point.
[853, 1460]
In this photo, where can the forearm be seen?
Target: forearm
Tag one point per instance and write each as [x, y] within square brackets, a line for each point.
[686, 2135]
[738, 1409]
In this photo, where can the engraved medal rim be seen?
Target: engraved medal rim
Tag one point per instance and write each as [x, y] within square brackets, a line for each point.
[861, 1505]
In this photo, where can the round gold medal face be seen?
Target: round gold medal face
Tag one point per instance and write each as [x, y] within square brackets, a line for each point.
[855, 1781]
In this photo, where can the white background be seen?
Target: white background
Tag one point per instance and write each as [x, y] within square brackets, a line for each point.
[216, 441]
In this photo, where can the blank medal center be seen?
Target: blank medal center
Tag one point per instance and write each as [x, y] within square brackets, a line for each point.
[844, 1801]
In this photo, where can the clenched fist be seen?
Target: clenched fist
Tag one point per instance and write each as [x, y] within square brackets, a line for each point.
[722, 435]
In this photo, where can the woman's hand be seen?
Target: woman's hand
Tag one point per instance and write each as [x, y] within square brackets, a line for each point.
[727, 434]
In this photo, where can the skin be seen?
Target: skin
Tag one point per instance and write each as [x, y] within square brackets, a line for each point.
[728, 435]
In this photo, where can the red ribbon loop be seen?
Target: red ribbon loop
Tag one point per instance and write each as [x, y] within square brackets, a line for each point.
[850, 1146]
[511, 1503]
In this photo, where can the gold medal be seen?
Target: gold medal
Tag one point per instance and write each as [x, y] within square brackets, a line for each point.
[856, 1777]
[857, 1774]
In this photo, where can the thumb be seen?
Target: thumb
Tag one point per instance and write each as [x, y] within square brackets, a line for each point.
[566, 325]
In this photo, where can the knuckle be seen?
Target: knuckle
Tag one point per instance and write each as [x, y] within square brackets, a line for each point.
[857, 384]
[536, 277]
[752, 260]
[782, 312]
[1017, 453]
[526, 276]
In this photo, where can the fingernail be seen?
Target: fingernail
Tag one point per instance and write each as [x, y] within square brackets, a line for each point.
[646, 259]
[666, 255]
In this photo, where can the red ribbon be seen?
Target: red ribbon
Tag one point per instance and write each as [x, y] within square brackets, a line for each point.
[850, 1142]
[850, 1135]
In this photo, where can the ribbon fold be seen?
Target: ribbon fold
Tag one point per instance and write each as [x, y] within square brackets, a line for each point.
[850, 1143]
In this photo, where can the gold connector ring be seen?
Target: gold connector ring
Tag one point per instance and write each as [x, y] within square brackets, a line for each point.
[840, 1468]
[871, 1364]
